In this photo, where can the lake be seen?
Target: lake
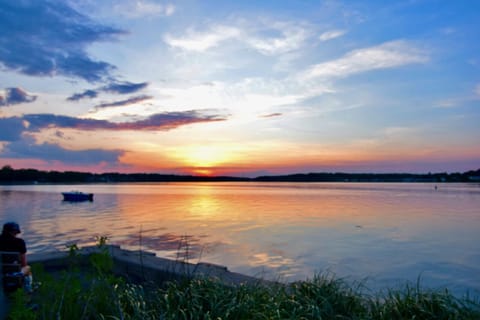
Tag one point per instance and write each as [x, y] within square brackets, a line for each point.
[383, 233]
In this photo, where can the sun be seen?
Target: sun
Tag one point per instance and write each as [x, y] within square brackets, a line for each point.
[203, 171]
[204, 157]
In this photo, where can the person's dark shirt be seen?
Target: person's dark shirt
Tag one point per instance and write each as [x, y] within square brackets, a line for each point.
[10, 243]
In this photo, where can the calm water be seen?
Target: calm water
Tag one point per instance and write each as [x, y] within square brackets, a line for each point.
[387, 233]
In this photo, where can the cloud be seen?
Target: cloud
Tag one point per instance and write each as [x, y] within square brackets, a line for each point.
[460, 100]
[123, 102]
[86, 94]
[159, 121]
[448, 103]
[271, 115]
[169, 9]
[15, 96]
[387, 55]
[332, 34]
[11, 129]
[196, 41]
[290, 38]
[477, 90]
[125, 87]
[268, 39]
[27, 148]
[48, 38]
[171, 120]
[115, 87]
[141, 8]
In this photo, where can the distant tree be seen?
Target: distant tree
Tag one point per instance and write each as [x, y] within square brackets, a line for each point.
[7, 168]
[6, 173]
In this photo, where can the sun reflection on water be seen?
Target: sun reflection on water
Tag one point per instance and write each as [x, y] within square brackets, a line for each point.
[280, 229]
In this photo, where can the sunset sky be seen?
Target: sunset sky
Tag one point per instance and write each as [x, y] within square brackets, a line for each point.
[242, 88]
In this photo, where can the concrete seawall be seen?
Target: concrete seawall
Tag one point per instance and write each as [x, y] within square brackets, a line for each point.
[141, 266]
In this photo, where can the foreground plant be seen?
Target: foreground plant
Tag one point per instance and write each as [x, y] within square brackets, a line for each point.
[320, 298]
[415, 303]
[94, 292]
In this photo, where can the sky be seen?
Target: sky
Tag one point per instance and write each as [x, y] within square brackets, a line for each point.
[243, 88]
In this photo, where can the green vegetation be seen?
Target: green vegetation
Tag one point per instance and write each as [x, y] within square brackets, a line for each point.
[94, 292]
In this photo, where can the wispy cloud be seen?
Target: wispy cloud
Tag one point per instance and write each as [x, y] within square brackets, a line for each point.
[202, 41]
[56, 34]
[332, 34]
[448, 103]
[142, 8]
[477, 90]
[459, 101]
[86, 94]
[387, 55]
[271, 115]
[268, 39]
[125, 87]
[171, 120]
[395, 132]
[122, 103]
[160, 121]
[291, 38]
[114, 87]
[15, 96]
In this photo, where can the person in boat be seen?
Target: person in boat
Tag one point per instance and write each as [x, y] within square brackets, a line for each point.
[9, 242]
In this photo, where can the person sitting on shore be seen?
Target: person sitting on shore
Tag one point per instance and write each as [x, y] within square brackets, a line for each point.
[9, 242]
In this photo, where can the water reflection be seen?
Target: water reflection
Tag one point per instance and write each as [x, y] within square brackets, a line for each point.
[388, 232]
[179, 247]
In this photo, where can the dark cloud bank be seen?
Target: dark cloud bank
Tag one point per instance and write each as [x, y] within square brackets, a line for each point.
[47, 38]
[27, 148]
[15, 96]
[12, 128]
[20, 146]
[159, 121]
[14, 131]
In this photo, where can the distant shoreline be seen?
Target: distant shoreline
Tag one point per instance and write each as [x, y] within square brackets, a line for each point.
[9, 175]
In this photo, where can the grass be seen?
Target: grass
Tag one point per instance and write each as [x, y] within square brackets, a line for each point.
[95, 293]
[415, 303]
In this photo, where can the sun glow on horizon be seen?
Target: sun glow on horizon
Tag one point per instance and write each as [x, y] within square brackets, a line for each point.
[203, 171]
[204, 157]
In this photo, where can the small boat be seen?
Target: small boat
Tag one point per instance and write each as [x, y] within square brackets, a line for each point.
[77, 196]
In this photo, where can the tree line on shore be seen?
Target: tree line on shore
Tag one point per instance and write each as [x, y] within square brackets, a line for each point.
[10, 175]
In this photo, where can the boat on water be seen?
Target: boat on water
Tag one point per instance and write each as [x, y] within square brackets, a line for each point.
[77, 196]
